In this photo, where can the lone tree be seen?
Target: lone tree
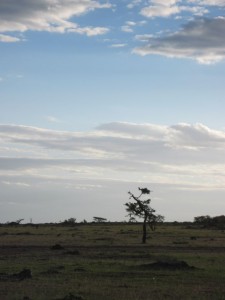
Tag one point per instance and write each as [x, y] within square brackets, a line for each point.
[15, 223]
[99, 220]
[141, 209]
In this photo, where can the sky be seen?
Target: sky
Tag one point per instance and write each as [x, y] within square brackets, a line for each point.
[98, 98]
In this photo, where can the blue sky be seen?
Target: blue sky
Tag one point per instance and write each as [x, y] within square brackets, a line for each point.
[100, 97]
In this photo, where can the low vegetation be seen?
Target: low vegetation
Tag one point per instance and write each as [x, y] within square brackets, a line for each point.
[107, 261]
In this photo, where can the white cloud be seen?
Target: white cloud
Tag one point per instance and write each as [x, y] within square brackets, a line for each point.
[21, 184]
[160, 11]
[202, 40]
[118, 45]
[143, 37]
[131, 23]
[161, 8]
[134, 3]
[90, 31]
[52, 119]
[115, 134]
[209, 2]
[8, 39]
[9, 77]
[196, 10]
[128, 26]
[165, 2]
[46, 15]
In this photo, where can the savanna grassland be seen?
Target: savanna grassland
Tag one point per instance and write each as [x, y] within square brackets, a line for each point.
[108, 262]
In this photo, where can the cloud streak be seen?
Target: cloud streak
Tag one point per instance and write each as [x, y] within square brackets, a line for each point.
[8, 39]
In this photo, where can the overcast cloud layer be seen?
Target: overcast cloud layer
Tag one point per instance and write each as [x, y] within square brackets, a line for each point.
[153, 153]
[198, 31]
[45, 171]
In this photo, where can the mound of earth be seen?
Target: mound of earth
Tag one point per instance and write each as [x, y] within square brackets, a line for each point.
[72, 297]
[57, 247]
[165, 265]
[24, 274]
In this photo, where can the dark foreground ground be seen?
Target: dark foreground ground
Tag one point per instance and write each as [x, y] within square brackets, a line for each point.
[108, 262]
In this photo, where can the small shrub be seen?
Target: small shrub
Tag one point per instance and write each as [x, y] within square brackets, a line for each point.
[70, 296]
[57, 247]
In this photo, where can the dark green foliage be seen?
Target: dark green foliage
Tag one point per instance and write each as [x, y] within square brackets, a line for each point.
[69, 222]
[217, 222]
[99, 219]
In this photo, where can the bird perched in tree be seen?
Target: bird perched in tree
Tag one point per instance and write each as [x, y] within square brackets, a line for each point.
[145, 190]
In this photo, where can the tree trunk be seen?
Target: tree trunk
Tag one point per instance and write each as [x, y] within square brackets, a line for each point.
[144, 231]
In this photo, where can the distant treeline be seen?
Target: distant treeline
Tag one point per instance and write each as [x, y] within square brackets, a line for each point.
[217, 222]
[206, 222]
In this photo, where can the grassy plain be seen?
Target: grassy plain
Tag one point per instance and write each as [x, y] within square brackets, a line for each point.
[108, 262]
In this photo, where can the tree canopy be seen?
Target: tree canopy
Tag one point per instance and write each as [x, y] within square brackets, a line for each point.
[142, 209]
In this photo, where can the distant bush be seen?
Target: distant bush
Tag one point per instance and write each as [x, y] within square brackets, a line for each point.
[99, 220]
[69, 222]
[217, 222]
